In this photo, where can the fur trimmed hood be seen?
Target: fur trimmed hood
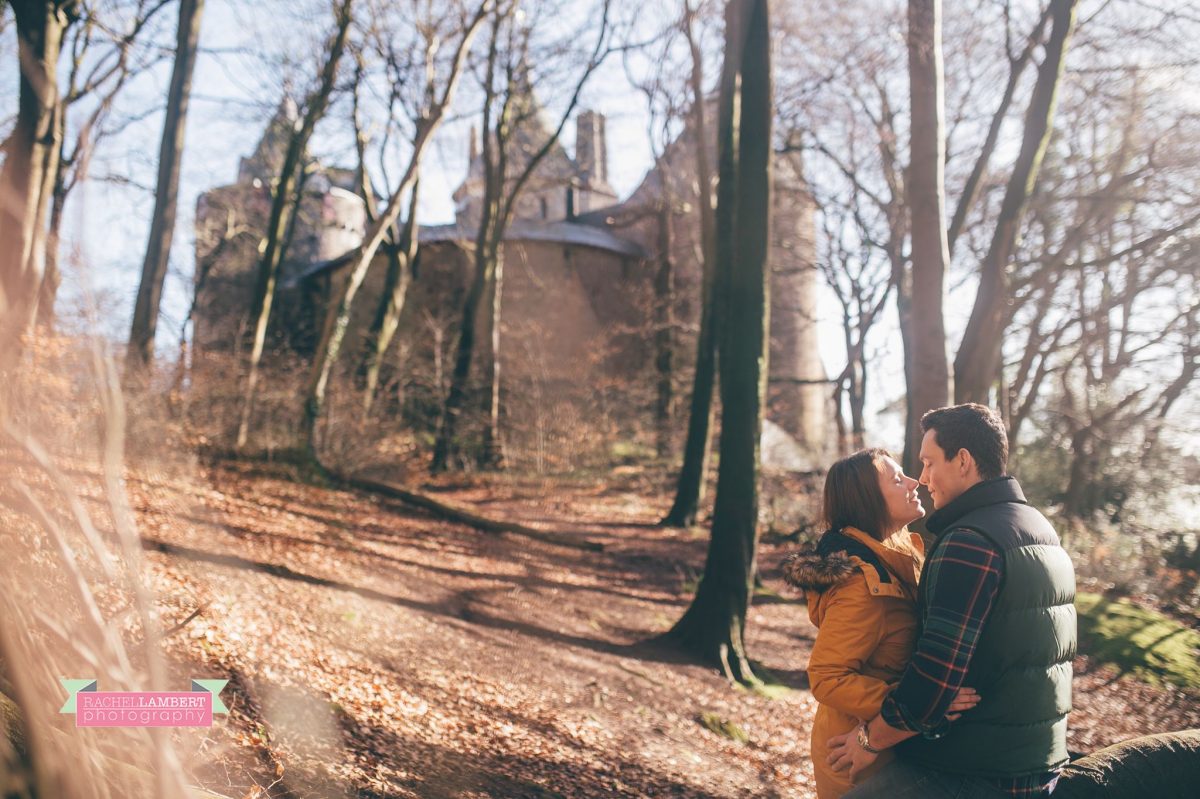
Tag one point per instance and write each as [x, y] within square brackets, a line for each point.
[808, 570]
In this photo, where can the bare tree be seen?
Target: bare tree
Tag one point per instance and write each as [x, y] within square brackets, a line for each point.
[510, 158]
[977, 362]
[861, 280]
[105, 51]
[283, 208]
[713, 628]
[162, 222]
[30, 164]
[1101, 337]
[337, 316]
[697, 446]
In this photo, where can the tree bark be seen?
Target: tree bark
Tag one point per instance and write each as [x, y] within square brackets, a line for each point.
[978, 360]
[162, 224]
[713, 626]
[492, 454]
[283, 207]
[689, 490]
[30, 164]
[447, 448]
[664, 301]
[929, 386]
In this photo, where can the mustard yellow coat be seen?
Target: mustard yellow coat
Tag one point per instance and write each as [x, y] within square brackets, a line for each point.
[866, 630]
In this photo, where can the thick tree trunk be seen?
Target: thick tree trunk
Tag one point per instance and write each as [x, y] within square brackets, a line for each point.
[283, 207]
[929, 386]
[713, 626]
[30, 168]
[162, 224]
[977, 363]
[697, 447]
[664, 344]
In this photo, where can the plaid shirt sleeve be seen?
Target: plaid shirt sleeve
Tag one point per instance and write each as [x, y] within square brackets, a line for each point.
[962, 578]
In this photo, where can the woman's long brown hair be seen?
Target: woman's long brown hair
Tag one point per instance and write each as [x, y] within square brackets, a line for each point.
[852, 495]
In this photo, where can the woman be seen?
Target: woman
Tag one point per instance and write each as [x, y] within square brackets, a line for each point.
[860, 580]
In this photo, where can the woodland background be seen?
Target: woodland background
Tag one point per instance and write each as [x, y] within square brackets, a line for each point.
[1007, 205]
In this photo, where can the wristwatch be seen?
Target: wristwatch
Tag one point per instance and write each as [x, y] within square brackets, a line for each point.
[864, 739]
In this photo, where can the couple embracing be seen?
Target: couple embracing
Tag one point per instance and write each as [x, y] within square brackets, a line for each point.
[944, 673]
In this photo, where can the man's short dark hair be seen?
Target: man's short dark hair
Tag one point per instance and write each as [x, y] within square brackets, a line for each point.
[973, 427]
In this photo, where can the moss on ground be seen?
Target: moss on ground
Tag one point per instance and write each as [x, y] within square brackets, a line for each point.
[720, 726]
[1138, 641]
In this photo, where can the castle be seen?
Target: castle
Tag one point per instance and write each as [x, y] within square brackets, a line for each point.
[578, 296]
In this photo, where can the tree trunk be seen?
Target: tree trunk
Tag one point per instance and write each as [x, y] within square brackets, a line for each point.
[391, 303]
[1077, 497]
[283, 207]
[690, 489]
[974, 182]
[713, 626]
[978, 360]
[930, 377]
[446, 449]
[52, 279]
[30, 167]
[162, 224]
[492, 454]
[664, 301]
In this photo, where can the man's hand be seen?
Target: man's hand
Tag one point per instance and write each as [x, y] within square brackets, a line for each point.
[964, 700]
[846, 754]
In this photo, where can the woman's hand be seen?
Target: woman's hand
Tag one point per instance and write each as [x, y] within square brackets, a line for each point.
[964, 700]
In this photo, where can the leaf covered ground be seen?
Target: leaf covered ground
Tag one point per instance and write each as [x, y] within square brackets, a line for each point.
[377, 651]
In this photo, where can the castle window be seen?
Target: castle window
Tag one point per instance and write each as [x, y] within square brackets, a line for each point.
[545, 208]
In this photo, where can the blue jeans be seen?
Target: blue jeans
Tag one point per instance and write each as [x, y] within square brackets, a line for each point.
[901, 780]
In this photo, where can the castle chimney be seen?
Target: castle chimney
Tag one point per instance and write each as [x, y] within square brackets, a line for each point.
[591, 146]
[473, 147]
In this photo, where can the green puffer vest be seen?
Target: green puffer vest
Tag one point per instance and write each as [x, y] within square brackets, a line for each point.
[1022, 663]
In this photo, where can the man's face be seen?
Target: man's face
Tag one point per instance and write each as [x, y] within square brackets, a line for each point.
[945, 478]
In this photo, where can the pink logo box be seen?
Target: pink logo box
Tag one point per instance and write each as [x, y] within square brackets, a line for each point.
[144, 709]
[94, 708]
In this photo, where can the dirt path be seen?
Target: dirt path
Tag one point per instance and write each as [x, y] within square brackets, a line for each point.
[376, 651]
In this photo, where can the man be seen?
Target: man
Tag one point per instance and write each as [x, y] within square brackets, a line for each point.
[996, 604]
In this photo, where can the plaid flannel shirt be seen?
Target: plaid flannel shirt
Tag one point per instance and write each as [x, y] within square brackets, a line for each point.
[962, 578]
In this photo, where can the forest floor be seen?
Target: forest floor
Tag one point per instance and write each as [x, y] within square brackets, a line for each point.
[377, 651]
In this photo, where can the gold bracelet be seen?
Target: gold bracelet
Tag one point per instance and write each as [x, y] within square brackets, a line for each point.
[864, 739]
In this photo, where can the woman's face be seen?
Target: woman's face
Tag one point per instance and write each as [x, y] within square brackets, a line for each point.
[899, 493]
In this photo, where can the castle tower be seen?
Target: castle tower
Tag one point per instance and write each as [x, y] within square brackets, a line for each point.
[266, 161]
[591, 155]
[799, 399]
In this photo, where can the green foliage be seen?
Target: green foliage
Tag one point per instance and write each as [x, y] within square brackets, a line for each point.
[628, 451]
[727, 729]
[768, 685]
[1139, 641]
